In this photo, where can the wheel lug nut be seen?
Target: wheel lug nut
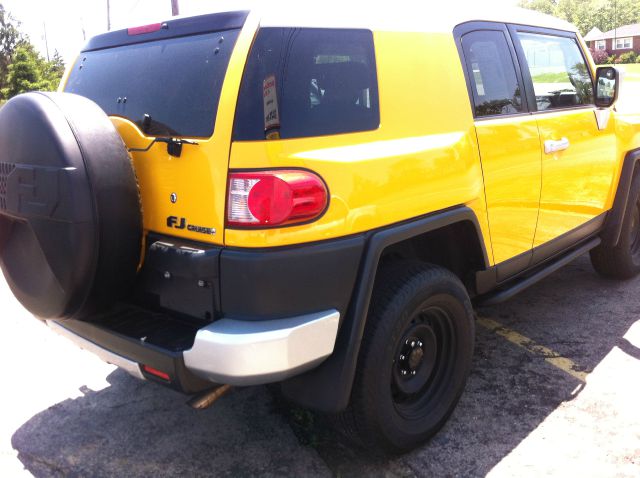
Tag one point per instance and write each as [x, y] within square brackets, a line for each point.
[413, 372]
[413, 343]
[419, 344]
[403, 372]
[402, 357]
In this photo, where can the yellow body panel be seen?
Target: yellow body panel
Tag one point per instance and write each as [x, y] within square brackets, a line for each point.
[199, 176]
[510, 152]
[576, 182]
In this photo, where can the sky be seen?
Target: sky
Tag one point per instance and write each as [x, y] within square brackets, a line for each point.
[69, 23]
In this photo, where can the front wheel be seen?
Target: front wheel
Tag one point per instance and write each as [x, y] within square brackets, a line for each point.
[623, 260]
[414, 360]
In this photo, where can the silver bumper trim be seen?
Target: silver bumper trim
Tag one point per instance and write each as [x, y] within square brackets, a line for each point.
[240, 352]
[118, 360]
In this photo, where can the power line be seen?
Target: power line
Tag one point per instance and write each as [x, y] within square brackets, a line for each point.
[175, 8]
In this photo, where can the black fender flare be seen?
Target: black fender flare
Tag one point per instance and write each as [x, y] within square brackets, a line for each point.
[613, 225]
[327, 388]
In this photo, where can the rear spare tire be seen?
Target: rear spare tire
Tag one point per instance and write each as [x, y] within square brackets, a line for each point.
[70, 219]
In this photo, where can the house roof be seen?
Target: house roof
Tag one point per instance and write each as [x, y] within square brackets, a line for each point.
[594, 34]
[620, 32]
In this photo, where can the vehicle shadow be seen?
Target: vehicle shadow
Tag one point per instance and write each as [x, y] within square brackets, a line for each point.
[137, 428]
[134, 428]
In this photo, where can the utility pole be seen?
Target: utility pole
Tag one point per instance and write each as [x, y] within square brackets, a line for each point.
[175, 8]
[84, 33]
[615, 24]
[108, 15]
[46, 43]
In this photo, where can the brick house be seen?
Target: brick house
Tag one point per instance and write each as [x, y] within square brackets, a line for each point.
[618, 41]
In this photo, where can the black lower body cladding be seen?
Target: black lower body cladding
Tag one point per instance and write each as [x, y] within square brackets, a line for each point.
[70, 220]
[267, 284]
[251, 284]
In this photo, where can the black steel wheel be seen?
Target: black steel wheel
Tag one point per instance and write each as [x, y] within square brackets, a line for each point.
[623, 260]
[414, 359]
[423, 362]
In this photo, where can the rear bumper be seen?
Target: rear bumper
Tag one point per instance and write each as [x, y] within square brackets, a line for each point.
[108, 356]
[229, 351]
[253, 352]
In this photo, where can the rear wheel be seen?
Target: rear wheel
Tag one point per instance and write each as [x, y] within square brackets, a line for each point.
[415, 358]
[623, 260]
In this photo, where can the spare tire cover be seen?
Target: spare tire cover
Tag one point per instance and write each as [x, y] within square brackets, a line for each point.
[70, 218]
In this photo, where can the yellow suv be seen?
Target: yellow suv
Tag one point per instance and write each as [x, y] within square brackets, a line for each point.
[252, 197]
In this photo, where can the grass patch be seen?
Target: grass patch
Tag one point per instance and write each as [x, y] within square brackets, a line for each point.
[559, 77]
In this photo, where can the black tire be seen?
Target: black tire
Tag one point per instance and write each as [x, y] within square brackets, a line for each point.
[403, 393]
[70, 216]
[622, 261]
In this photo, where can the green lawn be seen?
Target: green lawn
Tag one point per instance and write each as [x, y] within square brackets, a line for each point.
[560, 77]
[632, 71]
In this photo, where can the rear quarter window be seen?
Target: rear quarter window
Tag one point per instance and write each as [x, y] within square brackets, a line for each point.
[302, 82]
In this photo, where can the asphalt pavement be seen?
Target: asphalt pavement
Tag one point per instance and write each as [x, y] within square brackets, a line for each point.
[554, 391]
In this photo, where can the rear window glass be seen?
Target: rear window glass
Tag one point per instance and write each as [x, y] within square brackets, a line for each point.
[176, 82]
[308, 82]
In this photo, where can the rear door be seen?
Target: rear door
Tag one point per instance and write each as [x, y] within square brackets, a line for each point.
[176, 80]
[508, 140]
[578, 159]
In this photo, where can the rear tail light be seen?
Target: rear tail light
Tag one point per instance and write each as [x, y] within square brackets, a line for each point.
[275, 198]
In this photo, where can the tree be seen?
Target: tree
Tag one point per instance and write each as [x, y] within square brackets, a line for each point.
[544, 6]
[586, 14]
[10, 37]
[55, 69]
[29, 72]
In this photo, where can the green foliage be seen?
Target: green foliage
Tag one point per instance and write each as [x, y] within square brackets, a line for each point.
[22, 69]
[611, 59]
[629, 57]
[30, 72]
[544, 6]
[560, 77]
[587, 14]
[10, 37]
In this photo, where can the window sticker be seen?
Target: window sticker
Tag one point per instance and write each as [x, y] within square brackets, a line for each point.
[271, 116]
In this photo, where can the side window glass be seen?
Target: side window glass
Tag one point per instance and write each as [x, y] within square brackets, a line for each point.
[301, 82]
[492, 74]
[558, 71]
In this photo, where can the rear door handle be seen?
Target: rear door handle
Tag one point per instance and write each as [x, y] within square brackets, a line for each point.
[552, 146]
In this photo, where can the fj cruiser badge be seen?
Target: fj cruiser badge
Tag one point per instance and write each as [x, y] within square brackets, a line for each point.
[182, 223]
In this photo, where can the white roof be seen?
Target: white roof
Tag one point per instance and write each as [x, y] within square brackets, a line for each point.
[403, 15]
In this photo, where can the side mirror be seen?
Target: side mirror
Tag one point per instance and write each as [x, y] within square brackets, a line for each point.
[607, 86]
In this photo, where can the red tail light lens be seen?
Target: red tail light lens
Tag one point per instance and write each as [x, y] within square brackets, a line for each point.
[153, 27]
[275, 198]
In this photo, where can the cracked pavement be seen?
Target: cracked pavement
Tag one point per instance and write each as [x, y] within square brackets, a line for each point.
[65, 413]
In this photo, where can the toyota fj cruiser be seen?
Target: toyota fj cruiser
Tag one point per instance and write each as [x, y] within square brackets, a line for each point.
[254, 197]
